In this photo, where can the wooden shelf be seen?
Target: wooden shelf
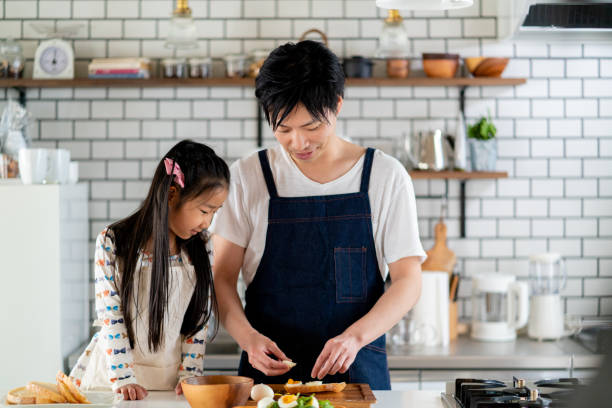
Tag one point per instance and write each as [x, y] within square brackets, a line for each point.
[161, 82]
[457, 175]
[132, 83]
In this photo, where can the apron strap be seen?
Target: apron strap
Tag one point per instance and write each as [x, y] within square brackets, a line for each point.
[267, 172]
[367, 168]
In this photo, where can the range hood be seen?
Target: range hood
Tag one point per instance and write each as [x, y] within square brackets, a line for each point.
[554, 20]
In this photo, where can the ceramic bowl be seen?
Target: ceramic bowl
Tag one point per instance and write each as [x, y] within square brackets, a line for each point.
[440, 65]
[217, 391]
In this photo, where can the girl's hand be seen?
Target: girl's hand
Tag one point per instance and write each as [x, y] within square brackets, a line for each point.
[337, 356]
[132, 392]
[178, 389]
[259, 349]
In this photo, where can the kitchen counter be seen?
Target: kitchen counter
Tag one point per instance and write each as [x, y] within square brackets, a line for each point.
[386, 399]
[464, 353]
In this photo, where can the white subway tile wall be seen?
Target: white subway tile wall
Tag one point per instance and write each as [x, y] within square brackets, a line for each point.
[555, 132]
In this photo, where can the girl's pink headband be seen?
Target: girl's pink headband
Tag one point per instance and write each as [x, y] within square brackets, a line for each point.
[173, 168]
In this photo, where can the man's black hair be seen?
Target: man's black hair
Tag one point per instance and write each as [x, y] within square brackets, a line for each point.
[306, 73]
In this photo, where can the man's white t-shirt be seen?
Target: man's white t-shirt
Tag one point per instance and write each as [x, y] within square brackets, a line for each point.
[243, 219]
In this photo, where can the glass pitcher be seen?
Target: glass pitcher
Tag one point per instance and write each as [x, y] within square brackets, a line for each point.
[547, 274]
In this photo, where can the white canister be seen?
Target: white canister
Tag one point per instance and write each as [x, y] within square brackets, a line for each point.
[33, 165]
[58, 165]
[428, 324]
[73, 172]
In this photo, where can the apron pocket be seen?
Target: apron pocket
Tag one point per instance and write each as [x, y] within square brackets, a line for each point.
[350, 270]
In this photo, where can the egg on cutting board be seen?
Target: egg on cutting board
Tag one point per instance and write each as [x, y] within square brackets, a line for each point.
[261, 391]
[288, 401]
[265, 402]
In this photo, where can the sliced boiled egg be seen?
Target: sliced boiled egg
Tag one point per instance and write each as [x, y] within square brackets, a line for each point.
[265, 402]
[313, 403]
[287, 401]
[314, 383]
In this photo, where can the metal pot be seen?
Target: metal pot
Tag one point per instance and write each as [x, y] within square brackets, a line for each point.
[358, 67]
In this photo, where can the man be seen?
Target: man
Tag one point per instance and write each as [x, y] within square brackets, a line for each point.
[313, 224]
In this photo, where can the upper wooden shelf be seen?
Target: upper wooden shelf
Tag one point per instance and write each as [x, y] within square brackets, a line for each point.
[457, 175]
[162, 82]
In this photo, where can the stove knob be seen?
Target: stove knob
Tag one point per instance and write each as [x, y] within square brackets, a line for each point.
[534, 395]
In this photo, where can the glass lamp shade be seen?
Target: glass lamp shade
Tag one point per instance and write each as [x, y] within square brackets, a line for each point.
[393, 41]
[182, 33]
[424, 4]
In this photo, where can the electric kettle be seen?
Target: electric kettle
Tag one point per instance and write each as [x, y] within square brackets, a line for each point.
[500, 306]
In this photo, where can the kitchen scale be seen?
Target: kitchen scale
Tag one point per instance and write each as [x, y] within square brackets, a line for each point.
[54, 58]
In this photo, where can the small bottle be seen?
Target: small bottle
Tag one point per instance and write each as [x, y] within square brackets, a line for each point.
[13, 55]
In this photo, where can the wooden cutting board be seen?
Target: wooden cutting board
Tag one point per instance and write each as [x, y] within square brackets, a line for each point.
[353, 396]
[440, 257]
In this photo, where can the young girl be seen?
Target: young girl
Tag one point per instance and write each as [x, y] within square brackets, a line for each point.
[153, 281]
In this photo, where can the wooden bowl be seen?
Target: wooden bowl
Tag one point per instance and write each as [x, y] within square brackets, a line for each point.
[486, 67]
[472, 62]
[440, 65]
[217, 391]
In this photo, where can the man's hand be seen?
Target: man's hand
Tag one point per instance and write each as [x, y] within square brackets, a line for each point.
[259, 348]
[337, 356]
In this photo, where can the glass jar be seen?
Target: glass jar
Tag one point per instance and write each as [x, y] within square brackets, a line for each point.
[200, 68]
[235, 65]
[174, 68]
[13, 57]
[257, 59]
[394, 46]
[3, 61]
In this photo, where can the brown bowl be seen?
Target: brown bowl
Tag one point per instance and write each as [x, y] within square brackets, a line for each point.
[440, 65]
[440, 68]
[217, 391]
[486, 67]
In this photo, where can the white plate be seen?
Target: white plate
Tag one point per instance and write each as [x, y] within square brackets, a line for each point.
[99, 399]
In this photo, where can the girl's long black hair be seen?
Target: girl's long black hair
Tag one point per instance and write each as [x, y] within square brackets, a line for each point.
[204, 171]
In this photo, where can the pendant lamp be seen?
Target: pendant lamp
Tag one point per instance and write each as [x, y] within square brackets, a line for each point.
[182, 30]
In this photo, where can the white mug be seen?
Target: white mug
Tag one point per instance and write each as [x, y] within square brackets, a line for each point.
[33, 165]
[58, 164]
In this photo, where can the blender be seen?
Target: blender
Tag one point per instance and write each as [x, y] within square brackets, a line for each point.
[547, 278]
[500, 306]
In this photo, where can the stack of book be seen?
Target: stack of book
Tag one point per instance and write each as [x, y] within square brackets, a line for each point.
[128, 68]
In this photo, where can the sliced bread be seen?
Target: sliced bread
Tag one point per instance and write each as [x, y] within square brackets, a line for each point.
[307, 389]
[65, 383]
[20, 396]
[46, 391]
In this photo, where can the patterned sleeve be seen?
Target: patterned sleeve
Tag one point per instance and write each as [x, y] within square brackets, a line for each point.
[113, 335]
[193, 355]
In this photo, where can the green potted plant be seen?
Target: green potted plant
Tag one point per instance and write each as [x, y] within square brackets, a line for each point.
[483, 145]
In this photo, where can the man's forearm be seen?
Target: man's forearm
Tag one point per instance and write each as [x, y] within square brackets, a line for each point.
[399, 298]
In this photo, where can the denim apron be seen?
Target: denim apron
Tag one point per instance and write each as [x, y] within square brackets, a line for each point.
[317, 276]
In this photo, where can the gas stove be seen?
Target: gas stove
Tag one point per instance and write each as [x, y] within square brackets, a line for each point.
[518, 393]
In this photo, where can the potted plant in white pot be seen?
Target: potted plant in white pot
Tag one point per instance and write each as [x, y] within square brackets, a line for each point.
[483, 145]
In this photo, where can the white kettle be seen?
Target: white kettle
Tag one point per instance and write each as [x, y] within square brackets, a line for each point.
[500, 306]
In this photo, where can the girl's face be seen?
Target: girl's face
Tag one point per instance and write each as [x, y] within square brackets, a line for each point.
[193, 215]
[303, 137]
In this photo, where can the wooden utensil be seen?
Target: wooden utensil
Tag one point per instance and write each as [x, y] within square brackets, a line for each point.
[440, 258]
[353, 396]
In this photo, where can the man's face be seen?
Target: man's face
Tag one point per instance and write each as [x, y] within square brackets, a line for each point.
[304, 137]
